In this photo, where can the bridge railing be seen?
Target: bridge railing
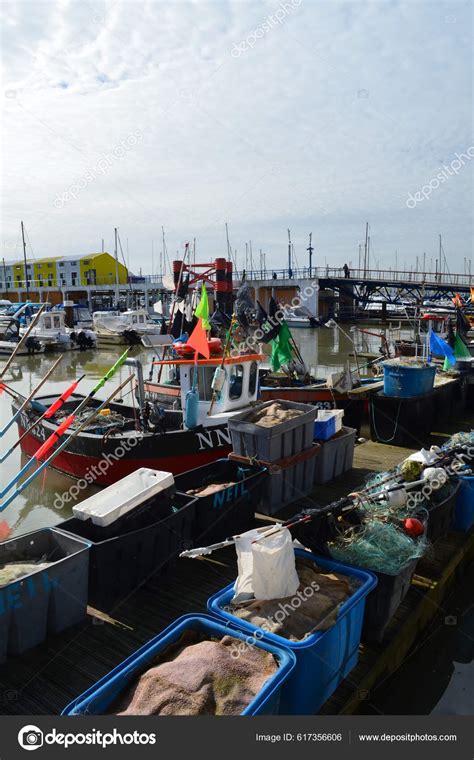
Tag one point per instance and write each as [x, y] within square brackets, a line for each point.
[430, 279]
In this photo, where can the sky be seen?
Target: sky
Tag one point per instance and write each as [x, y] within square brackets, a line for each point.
[303, 114]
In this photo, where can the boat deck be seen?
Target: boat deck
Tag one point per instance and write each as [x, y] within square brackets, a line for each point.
[45, 679]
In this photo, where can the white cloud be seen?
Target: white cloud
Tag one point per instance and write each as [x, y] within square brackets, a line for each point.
[331, 118]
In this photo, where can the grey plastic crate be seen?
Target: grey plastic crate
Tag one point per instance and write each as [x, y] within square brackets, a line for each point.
[336, 456]
[284, 485]
[46, 601]
[271, 444]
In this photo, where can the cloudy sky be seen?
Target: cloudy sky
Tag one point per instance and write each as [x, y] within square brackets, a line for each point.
[306, 114]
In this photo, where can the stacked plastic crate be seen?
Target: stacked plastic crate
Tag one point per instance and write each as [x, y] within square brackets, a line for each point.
[286, 449]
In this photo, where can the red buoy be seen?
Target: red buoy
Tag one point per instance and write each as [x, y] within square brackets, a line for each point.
[413, 527]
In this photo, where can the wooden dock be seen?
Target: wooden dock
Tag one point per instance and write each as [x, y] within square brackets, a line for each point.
[45, 679]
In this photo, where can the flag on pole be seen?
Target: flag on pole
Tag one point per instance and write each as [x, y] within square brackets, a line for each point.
[460, 349]
[269, 328]
[281, 348]
[198, 340]
[440, 347]
[202, 309]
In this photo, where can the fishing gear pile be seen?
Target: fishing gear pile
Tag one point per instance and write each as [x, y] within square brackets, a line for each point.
[379, 546]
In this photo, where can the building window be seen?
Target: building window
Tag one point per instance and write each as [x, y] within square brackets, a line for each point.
[39, 266]
[61, 263]
[73, 263]
[50, 266]
[86, 262]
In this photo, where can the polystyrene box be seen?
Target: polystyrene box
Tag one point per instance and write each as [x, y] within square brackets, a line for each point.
[108, 505]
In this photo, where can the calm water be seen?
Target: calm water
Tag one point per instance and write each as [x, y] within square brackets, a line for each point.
[445, 662]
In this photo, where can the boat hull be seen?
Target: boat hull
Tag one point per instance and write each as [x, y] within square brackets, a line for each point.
[102, 460]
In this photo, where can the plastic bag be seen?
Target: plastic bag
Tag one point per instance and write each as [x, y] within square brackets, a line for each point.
[267, 569]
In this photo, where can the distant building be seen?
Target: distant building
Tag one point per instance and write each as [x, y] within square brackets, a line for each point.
[60, 273]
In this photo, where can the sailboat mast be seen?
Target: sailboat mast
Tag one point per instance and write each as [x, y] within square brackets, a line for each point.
[117, 294]
[24, 259]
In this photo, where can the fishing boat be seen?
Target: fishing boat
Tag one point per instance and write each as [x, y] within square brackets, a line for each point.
[126, 328]
[10, 335]
[125, 438]
[52, 332]
[300, 316]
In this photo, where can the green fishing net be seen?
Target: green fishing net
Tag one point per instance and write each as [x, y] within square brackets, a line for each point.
[379, 546]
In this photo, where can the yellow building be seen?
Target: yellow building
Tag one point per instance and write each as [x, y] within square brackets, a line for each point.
[59, 272]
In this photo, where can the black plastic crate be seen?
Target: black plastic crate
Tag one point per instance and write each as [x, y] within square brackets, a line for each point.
[441, 514]
[401, 421]
[230, 510]
[383, 602]
[47, 601]
[119, 564]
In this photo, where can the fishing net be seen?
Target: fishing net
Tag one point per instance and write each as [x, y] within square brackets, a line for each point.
[379, 546]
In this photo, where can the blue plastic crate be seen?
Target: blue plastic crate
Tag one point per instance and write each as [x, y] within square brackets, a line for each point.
[405, 381]
[464, 510]
[324, 658]
[99, 697]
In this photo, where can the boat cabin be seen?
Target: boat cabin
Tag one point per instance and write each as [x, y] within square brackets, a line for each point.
[224, 386]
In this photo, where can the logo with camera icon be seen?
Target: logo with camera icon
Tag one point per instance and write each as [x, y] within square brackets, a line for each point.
[30, 737]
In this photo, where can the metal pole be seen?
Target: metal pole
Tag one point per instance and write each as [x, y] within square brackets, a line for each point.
[117, 293]
[5, 275]
[24, 259]
[366, 247]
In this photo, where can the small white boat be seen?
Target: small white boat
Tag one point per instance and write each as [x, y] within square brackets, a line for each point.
[114, 328]
[51, 330]
[299, 316]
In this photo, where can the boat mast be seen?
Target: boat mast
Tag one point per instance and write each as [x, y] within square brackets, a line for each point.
[117, 294]
[310, 250]
[24, 259]
[289, 252]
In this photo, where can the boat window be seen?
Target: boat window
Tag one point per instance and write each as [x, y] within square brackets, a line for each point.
[134, 319]
[57, 321]
[47, 323]
[141, 319]
[253, 378]
[236, 381]
[204, 384]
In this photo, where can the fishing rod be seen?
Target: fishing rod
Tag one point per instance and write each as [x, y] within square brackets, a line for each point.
[178, 285]
[23, 340]
[28, 399]
[52, 439]
[55, 406]
[346, 504]
[220, 368]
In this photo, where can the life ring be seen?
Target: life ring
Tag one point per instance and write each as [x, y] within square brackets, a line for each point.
[182, 349]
